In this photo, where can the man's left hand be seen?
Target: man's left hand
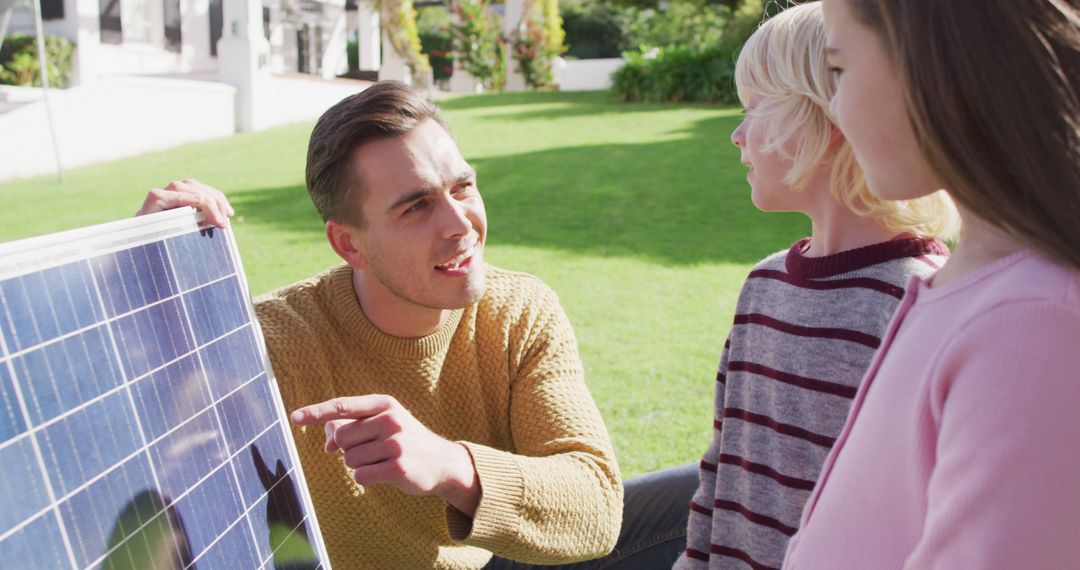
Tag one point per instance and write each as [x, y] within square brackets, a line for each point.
[383, 443]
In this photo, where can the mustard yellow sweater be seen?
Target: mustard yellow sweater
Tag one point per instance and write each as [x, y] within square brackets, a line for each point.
[503, 376]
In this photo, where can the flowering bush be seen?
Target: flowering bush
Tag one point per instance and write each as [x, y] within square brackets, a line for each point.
[476, 43]
[533, 51]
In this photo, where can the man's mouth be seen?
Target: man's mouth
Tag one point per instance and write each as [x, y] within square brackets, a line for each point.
[459, 261]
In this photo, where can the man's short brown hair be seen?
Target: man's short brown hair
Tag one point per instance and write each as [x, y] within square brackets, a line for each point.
[386, 109]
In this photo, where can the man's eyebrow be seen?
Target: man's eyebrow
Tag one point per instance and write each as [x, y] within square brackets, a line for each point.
[427, 191]
[411, 197]
[468, 174]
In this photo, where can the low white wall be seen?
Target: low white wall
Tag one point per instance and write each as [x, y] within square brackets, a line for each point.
[125, 116]
[110, 119]
[298, 97]
[585, 74]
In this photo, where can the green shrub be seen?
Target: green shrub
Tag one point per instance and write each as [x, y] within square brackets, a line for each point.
[593, 31]
[436, 39]
[352, 55]
[690, 23]
[19, 61]
[677, 74]
[439, 47]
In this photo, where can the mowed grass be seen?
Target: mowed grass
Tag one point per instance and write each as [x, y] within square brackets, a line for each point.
[637, 215]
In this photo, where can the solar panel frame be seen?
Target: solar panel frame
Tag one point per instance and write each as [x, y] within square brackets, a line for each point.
[123, 281]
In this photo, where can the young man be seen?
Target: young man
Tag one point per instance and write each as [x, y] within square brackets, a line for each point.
[456, 419]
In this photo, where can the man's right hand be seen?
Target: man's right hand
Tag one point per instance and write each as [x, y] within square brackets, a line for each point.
[189, 192]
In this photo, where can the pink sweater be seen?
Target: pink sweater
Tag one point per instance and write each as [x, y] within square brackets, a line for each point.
[962, 449]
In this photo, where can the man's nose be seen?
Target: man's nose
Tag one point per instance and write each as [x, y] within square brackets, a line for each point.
[454, 218]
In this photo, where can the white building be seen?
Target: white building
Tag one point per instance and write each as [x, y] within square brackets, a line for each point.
[159, 37]
[151, 74]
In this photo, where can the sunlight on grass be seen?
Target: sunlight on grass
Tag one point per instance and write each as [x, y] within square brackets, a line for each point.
[637, 215]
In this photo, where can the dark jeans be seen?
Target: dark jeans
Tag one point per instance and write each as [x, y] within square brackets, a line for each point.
[655, 509]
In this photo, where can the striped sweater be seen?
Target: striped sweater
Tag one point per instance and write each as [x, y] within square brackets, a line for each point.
[804, 334]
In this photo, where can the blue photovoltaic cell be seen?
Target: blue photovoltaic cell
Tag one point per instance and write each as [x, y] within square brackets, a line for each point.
[86, 358]
[170, 395]
[11, 421]
[231, 361]
[37, 545]
[21, 488]
[138, 423]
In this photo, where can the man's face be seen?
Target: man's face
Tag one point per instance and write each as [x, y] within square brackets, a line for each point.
[425, 225]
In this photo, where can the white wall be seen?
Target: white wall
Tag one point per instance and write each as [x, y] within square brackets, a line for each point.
[111, 118]
[585, 74]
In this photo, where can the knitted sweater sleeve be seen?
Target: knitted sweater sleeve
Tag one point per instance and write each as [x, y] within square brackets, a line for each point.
[699, 526]
[558, 496]
[1002, 493]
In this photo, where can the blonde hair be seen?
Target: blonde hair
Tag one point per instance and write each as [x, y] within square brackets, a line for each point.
[784, 63]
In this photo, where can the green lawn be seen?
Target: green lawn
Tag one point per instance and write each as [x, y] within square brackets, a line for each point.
[638, 215]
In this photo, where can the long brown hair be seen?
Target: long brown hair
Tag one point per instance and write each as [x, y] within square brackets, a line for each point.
[992, 93]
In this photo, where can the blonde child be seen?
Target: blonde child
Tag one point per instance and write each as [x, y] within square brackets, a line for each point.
[808, 319]
[963, 446]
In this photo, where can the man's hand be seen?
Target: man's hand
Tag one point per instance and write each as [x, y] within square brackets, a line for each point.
[189, 192]
[384, 443]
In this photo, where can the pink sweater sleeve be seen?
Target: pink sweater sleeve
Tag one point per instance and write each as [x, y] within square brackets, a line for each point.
[1005, 489]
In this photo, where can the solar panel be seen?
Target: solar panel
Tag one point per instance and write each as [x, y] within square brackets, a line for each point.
[140, 423]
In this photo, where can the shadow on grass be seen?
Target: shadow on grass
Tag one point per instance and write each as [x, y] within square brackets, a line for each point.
[678, 202]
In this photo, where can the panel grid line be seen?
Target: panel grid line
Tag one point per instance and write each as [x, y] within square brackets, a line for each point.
[110, 320]
[206, 381]
[50, 493]
[126, 383]
[188, 491]
[105, 395]
[158, 326]
[145, 448]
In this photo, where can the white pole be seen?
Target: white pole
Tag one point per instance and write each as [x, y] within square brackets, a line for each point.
[45, 87]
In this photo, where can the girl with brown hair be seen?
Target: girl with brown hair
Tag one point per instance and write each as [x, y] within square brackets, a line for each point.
[961, 447]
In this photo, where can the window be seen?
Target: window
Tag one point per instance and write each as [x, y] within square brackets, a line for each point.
[172, 25]
[109, 18]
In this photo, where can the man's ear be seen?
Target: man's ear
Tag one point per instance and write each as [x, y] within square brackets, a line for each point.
[347, 241]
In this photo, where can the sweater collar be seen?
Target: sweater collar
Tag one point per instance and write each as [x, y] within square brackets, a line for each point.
[800, 265]
[347, 311]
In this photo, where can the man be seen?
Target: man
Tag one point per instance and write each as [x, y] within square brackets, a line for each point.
[456, 419]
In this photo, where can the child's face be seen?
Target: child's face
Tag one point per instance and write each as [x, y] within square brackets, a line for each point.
[768, 190]
[869, 108]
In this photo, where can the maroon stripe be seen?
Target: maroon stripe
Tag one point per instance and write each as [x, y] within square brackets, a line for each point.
[739, 555]
[755, 518]
[716, 424]
[720, 377]
[827, 285]
[862, 338]
[785, 480]
[794, 379]
[696, 554]
[708, 466]
[786, 429]
[700, 509]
